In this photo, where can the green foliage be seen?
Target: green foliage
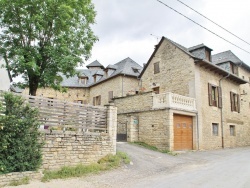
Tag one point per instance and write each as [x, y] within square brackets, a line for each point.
[41, 38]
[23, 181]
[19, 136]
[106, 163]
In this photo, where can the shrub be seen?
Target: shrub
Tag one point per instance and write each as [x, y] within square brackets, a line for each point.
[19, 136]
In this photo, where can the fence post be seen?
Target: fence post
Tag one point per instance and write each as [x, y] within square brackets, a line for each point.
[112, 124]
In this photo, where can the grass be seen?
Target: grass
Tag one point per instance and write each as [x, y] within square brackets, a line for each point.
[147, 146]
[23, 181]
[106, 163]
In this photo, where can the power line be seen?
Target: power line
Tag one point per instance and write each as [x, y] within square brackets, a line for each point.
[203, 27]
[213, 22]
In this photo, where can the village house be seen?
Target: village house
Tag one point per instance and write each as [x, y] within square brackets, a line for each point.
[192, 100]
[97, 85]
[5, 77]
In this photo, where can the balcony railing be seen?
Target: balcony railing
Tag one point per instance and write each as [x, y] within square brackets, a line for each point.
[175, 101]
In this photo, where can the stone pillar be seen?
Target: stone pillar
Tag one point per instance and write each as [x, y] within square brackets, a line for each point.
[112, 124]
[133, 129]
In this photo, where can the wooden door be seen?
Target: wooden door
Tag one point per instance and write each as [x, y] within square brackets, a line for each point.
[183, 132]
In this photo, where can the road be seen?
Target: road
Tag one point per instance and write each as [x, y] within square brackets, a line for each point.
[148, 169]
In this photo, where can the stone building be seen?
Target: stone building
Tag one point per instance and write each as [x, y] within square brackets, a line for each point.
[97, 85]
[5, 77]
[192, 100]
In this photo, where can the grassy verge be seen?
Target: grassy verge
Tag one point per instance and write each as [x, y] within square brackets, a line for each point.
[23, 181]
[106, 163]
[143, 144]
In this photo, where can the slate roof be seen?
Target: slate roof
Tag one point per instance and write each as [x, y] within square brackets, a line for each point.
[124, 67]
[198, 46]
[228, 56]
[95, 64]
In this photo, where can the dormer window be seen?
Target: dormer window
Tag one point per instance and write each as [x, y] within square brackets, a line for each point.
[135, 70]
[83, 80]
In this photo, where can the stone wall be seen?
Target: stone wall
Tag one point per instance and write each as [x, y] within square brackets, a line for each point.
[153, 125]
[134, 103]
[6, 179]
[71, 149]
[72, 94]
[210, 114]
[176, 71]
[120, 85]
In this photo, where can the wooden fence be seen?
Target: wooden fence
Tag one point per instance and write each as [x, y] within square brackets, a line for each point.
[68, 116]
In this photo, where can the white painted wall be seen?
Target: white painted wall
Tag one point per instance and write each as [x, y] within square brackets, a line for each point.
[4, 77]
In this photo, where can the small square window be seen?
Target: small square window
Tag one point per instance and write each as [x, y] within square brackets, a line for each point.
[215, 128]
[232, 130]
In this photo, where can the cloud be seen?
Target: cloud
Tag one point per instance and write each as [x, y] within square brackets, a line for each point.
[124, 27]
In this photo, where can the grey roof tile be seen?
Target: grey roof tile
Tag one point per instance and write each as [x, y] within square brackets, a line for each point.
[198, 46]
[124, 67]
[228, 56]
[95, 64]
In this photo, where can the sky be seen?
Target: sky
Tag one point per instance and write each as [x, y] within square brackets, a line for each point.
[131, 28]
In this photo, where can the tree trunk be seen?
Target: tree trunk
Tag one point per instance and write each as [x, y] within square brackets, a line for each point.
[33, 85]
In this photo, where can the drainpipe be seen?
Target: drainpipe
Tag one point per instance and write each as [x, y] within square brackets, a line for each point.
[221, 111]
[198, 136]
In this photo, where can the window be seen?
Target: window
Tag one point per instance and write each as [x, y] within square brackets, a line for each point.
[233, 69]
[232, 130]
[156, 90]
[214, 95]
[215, 129]
[156, 67]
[78, 101]
[97, 100]
[110, 96]
[235, 102]
[135, 70]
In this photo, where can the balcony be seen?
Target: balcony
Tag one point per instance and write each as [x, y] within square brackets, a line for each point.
[174, 101]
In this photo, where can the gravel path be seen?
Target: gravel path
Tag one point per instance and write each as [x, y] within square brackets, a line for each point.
[154, 169]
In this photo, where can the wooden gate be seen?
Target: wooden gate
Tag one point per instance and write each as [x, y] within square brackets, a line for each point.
[183, 132]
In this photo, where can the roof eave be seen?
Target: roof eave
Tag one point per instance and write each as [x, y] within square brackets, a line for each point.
[220, 71]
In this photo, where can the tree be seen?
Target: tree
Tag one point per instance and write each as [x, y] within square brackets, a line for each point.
[42, 39]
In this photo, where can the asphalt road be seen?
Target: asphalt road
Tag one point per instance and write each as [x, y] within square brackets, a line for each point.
[148, 169]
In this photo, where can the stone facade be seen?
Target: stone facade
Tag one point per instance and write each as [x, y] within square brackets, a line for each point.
[176, 71]
[120, 85]
[179, 72]
[72, 94]
[210, 114]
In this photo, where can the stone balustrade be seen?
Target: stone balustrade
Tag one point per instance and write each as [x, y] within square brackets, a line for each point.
[175, 101]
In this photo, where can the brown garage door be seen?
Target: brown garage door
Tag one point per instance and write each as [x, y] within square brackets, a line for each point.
[183, 132]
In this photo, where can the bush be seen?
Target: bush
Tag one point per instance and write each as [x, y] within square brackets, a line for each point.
[19, 136]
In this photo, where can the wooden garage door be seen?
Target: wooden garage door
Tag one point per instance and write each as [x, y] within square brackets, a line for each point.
[183, 132]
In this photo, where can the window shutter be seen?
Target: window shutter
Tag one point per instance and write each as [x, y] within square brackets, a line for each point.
[93, 101]
[232, 100]
[210, 94]
[219, 97]
[99, 100]
[238, 102]
[156, 68]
